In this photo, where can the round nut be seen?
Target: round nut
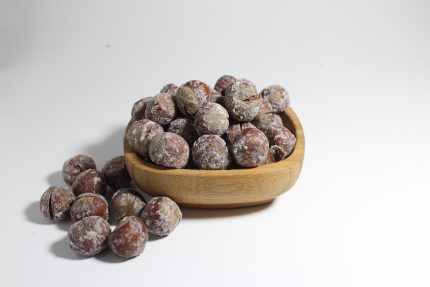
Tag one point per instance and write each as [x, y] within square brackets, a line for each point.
[129, 237]
[242, 100]
[191, 96]
[250, 148]
[161, 215]
[89, 204]
[277, 96]
[210, 152]
[211, 119]
[89, 181]
[223, 82]
[169, 150]
[75, 165]
[169, 89]
[283, 138]
[115, 173]
[139, 108]
[161, 109]
[216, 97]
[55, 202]
[89, 236]
[140, 134]
[234, 129]
[126, 202]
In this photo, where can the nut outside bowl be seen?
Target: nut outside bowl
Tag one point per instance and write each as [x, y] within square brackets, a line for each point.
[221, 188]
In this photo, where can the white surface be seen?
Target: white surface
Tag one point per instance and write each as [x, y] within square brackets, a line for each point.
[359, 77]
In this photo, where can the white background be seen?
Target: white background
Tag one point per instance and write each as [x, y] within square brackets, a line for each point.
[358, 73]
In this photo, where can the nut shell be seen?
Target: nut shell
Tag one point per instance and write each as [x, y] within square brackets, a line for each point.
[277, 96]
[89, 204]
[191, 96]
[250, 148]
[169, 150]
[211, 119]
[210, 152]
[75, 166]
[55, 202]
[89, 236]
[161, 215]
[89, 181]
[126, 202]
[115, 173]
[242, 100]
[161, 109]
[140, 133]
[129, 237]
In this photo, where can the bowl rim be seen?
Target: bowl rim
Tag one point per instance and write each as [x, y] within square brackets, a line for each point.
[296, 155]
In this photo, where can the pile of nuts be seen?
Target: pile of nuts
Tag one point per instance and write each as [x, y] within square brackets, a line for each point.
[85, 203]
[196, 126]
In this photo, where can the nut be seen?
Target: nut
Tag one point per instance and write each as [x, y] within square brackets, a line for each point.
[242, 100]
[277, 96]
[89, 181]
[115, 173]
[223, 82]
[211, 119]
[250, 148]
[129, 237]
[89, 236]
[161, 215]
[169, 150]
[139, 108]
[161, 109]
[184, 127]
[89, 204]
[126, 202]
[283, 138]
[75, 165]
[191, 96]
[55, 202]
[140, 134]
[210, 152]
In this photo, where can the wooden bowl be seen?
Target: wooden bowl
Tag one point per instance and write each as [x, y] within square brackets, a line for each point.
[221, 188]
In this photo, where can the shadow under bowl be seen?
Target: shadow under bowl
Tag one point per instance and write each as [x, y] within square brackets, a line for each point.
[221, 188]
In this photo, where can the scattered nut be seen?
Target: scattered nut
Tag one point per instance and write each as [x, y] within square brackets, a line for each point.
[129, 237]
[89, 204]
[89, 236]
[126, 202]
[75, 165]
[55, 202]
[89, 181]
[161, 215]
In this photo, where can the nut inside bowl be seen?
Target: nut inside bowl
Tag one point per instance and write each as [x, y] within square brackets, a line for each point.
[221, 188]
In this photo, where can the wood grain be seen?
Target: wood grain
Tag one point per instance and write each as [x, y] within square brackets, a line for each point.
[221, 188]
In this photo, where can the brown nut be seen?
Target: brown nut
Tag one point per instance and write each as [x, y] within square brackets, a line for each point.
[184, 127]
[250, 148]
[89, 181]
[89, 236]
[75, 165]
[170, 89]
[234, 129]
[139, 108]
[129, 237]
[55, 202]
[140, 134]
[115, 173]
[210, 152]
[161, 215]
[89, 204]
[216, 97]
[126, 202]
[277, 96]
[191, 96]
[169, 150]
[223, 82]
[211, 119]
[242, 100]
[161, 109]
[283, 138]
